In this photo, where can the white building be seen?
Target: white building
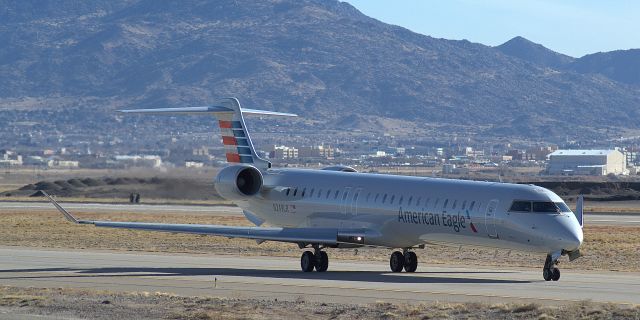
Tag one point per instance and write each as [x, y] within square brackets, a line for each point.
[140, 161]
[587, 162]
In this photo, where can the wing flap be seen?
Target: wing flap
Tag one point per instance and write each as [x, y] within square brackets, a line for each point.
[295, 235]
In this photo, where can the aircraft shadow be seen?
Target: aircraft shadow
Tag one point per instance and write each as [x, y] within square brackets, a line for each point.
[355, 276]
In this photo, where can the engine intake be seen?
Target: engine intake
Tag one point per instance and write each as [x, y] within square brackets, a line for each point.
[238, 182]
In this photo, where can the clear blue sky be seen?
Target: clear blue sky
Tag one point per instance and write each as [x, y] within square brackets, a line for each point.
[572, 27]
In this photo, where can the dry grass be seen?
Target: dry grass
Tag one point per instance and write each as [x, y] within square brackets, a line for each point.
[605, 247]
[89, 304]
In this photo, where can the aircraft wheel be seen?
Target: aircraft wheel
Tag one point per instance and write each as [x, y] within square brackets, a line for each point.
[396, 262]
[410, 261]
[547, 274]
[307, 261]
[321, 261]
[555, 274]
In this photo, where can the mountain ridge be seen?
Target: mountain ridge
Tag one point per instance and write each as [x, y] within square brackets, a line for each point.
[322, 59]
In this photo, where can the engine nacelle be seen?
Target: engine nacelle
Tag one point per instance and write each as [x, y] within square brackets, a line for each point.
[238, 182]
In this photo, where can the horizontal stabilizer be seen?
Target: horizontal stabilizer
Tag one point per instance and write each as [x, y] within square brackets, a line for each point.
[206, 110]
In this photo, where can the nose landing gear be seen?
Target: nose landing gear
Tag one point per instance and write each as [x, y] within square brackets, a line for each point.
[550, 271]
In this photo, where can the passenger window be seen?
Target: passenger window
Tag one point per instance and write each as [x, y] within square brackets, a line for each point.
[392, 198]
[545, 207]
[377, 196]
[295, 191]
[335, 196]
[418, 201]
[520, 206]
[368, 195]
[410, 200]
[444, 206]
[288, 190]
[435, 205]
[455, 202]
[344, 195]
[473, 203]
[464, 204]
[311, 193]
[303, 192]
[328, 192]
[319, 193]
[400, 201]
[384, 198]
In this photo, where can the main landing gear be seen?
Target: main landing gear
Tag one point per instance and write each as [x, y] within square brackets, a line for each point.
[550, 271]
[317, 259]
[406, 259]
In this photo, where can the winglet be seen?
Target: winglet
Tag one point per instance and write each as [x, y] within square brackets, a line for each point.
[580, 210]
[66, 214]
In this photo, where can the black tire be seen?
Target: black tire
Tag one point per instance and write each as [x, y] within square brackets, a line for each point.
[307, 261]
[547, 274]
[322, 261]
[555, 274]
[396, 262]
[410, 262]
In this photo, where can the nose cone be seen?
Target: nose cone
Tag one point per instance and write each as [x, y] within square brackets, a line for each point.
[571, 236]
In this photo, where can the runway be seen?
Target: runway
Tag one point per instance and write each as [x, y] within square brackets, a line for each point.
[223, 210]
[281, 278]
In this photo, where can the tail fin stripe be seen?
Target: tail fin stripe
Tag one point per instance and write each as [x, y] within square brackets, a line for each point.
[239, 134]
[233, 157]
[244, 151]
[246, 159]
[224, 124]
[229, 141]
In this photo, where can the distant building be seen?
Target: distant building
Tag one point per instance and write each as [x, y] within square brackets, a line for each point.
[193, 164]
[283, 153]
[322, 151]
[9, 158]
[63, 164]
[140, 161]
[586, 162]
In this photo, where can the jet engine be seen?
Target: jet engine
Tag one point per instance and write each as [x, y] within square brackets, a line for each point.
[238, 182]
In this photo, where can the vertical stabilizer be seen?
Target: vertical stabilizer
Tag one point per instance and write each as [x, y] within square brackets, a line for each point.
[235, 137]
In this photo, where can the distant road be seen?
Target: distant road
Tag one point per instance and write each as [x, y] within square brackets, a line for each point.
[590, 218]
[281, 278]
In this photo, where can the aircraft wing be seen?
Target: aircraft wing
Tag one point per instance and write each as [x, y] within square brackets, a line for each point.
[325, 236]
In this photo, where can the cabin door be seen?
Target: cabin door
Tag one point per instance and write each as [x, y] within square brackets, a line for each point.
[490, 219]
[345, 201]
[354, 202]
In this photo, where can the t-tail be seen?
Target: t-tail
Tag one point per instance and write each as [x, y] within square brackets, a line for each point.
[235, 137]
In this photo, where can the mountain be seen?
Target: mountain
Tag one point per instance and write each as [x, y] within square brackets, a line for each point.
[535, 53]
[322, 59]
[620, 65]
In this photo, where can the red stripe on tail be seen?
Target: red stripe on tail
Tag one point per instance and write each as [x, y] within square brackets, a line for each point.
[233, 157]
[229, 141]
[224, 124]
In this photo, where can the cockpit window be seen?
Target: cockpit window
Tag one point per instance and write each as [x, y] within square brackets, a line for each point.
[521, 206]
[545, 207]
[563, 207]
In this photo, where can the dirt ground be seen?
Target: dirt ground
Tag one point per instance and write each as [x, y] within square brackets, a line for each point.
[87, 304]
[605, 247]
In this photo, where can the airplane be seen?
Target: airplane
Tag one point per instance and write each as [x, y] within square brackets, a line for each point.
[338, 207]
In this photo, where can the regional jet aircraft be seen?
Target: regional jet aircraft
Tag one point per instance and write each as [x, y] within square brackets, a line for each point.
[338, 207]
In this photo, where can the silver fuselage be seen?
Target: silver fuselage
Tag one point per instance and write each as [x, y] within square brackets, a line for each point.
[403, 211]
